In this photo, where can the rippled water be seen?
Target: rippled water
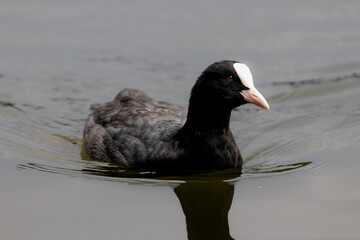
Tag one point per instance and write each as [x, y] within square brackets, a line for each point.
[301, 173]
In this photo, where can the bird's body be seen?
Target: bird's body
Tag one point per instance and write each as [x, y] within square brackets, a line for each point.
[136, 131]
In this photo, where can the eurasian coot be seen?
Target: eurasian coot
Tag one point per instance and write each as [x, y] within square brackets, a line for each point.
[136, 131]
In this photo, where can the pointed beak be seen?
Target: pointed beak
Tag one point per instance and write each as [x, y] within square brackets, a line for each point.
[253, 96]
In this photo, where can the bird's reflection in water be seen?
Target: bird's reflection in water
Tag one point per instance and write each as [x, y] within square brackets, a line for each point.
[205, 198]
[206, 206]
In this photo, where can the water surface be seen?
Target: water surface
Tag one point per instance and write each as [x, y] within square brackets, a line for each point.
[301, 173]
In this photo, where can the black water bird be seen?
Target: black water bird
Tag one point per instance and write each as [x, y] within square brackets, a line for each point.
[138, 132]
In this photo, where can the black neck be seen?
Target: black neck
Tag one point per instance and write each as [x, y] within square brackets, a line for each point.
[206, 139]
[208, 117]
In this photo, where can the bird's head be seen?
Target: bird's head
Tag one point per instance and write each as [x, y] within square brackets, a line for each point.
[227, 84]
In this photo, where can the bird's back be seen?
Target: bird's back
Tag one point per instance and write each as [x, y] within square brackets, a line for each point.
[131, 128]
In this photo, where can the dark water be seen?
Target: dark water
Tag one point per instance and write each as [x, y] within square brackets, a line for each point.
[302, 172]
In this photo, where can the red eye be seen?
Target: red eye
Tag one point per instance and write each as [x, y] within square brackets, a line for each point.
[229, 78]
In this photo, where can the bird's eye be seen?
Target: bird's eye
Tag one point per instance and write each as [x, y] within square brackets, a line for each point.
[229, 78]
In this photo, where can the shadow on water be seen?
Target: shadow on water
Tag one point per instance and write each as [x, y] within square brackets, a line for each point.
[206, 207]
[205, 197]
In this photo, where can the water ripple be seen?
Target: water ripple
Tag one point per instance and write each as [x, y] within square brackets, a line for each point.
[317, 81]
[264, 169]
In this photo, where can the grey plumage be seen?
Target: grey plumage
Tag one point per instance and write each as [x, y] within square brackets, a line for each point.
[124, 130]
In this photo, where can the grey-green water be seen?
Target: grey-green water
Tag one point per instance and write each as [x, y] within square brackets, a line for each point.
[302, 172]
